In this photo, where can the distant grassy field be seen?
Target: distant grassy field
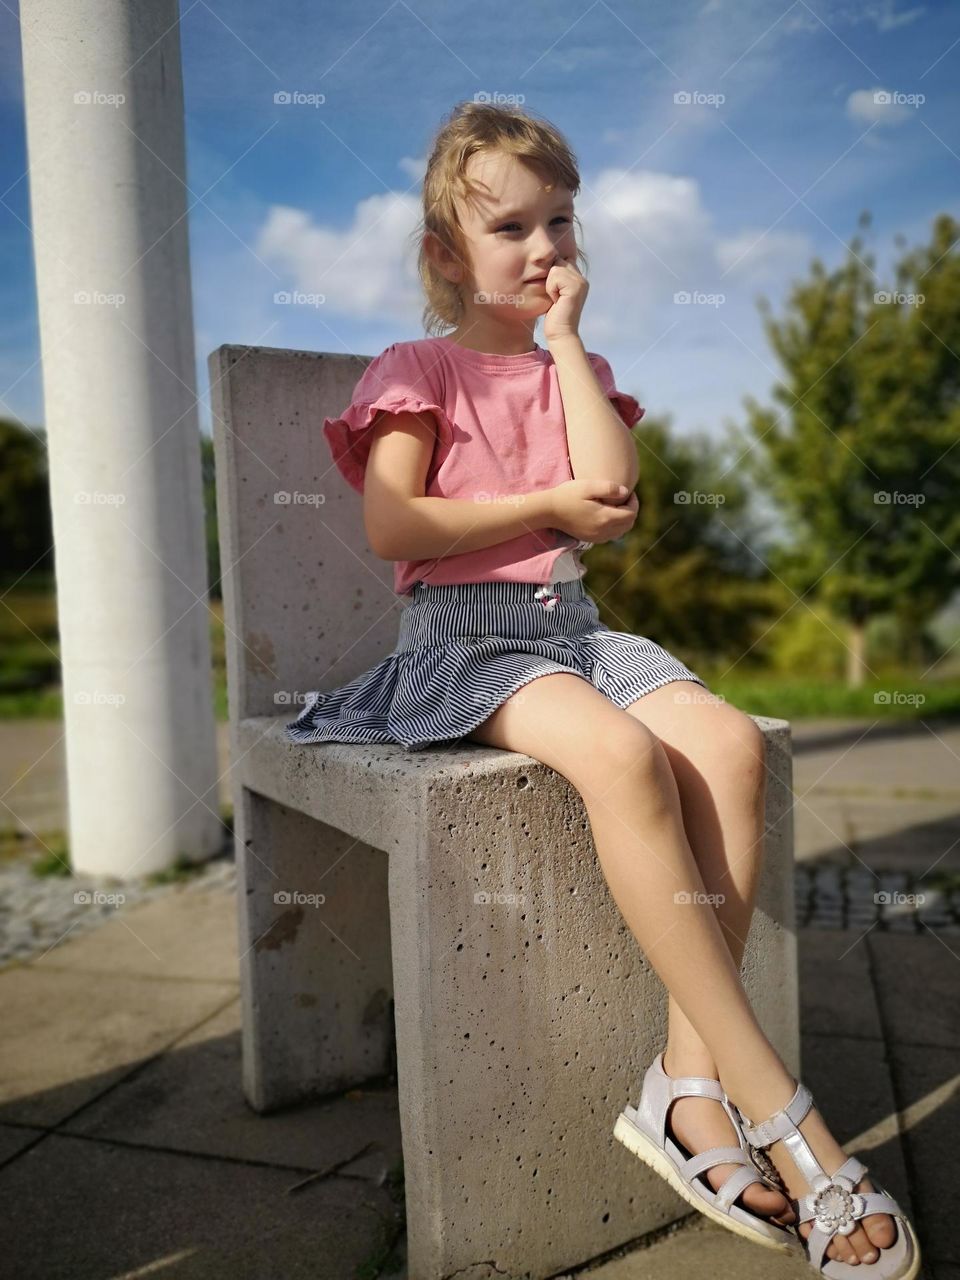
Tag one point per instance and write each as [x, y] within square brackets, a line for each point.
[30, 675]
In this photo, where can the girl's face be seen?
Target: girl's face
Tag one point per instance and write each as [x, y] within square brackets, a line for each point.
[516, 226]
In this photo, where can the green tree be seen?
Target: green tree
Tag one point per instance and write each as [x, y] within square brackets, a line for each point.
[685, 575]
[860, 459]
[26, 533]
[210, 516]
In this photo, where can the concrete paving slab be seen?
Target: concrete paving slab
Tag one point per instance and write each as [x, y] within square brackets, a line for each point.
[920, 756]
[916, 980]
[183, 935]
[928, 1084]
[853, 1089]
[69, 1036]
[836, 989]
[92, 1209]
[14, 1139]
[190, 1099]
[702, 1251]
[880, 830]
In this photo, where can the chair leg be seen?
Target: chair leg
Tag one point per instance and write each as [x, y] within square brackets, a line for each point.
[315, 966]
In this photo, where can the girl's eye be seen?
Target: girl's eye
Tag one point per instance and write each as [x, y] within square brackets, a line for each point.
[507, 226]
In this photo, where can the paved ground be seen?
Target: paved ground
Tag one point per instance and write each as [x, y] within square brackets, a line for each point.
[127, 1149]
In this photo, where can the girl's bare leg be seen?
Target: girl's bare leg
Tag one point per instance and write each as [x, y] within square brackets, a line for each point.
[720, 774]
[716, 755]
[629, 790]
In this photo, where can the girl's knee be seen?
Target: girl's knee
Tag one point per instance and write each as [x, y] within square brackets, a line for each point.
[625, 749]
[739, 748]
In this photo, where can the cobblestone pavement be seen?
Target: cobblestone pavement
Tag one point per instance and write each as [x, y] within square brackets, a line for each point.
[37, 913]
[853, 898]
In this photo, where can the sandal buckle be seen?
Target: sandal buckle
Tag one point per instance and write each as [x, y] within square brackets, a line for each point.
[836, 1207]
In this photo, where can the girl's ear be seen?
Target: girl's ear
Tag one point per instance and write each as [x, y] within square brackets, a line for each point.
[446, 262]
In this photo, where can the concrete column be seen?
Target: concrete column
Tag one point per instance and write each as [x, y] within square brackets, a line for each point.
[104, 111]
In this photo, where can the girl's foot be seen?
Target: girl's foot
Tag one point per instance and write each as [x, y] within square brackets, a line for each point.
[701, 1123]
[872, 1233]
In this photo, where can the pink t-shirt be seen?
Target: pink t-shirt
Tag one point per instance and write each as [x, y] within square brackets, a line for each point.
[501, 431]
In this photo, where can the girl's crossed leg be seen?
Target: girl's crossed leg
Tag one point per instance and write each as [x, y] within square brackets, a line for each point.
[655, 780]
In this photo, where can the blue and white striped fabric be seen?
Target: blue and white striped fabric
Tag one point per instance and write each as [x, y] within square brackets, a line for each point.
[464, 648]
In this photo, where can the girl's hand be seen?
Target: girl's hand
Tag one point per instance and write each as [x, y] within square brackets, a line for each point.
[593, 510]
[568, 289]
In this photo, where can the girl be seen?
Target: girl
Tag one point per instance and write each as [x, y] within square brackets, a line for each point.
[487, 464]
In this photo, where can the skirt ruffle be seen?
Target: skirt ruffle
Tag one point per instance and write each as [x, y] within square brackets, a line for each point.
[420, 696]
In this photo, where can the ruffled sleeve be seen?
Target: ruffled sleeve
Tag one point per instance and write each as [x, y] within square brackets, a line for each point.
[628, 408]
[392, 381]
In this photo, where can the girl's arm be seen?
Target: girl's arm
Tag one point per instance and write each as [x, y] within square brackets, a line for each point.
[403, 524]
[599, 445]
[431, 528]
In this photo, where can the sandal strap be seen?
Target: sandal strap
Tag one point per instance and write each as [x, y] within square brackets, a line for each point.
[731, 1187]
[778, 1126]
[695, 1087]
[816, 1245]
[704, 1160]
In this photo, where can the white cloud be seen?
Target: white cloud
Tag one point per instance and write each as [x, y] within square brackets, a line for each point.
[365, 271]
[647, 236]
[877, 106]
[414, 167]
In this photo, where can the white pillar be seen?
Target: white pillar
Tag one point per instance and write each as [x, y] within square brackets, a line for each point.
[104, 113]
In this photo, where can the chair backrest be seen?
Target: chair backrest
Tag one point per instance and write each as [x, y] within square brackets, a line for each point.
[307, 605]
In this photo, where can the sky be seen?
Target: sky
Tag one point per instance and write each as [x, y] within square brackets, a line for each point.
[722, 145]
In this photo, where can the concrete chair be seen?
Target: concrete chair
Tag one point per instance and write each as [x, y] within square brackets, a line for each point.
[450, 898]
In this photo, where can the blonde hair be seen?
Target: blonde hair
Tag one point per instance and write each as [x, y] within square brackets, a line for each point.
[473, 127]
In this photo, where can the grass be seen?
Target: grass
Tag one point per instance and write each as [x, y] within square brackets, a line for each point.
[901, 697]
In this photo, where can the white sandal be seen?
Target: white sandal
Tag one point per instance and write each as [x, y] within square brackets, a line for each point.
[832, 1204]
[644, 1132]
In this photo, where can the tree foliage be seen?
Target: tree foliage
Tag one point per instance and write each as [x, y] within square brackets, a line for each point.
[861, 458]
[686, 575]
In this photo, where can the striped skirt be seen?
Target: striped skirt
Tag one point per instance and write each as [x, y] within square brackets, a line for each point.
[464, 648]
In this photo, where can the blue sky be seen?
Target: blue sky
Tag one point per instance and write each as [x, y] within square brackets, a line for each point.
[730, 194]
